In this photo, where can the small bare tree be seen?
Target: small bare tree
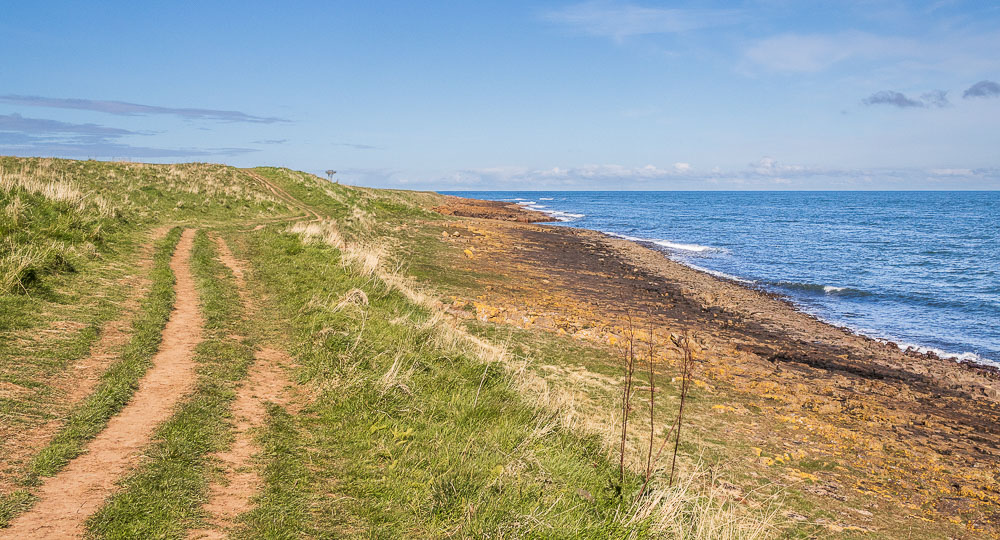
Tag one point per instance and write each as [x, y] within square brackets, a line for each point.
[329, 174]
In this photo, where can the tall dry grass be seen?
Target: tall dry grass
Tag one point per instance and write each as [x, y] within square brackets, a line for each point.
[56, 190]
[694, 507]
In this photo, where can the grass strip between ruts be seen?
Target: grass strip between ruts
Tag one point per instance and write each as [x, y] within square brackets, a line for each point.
[164, 496]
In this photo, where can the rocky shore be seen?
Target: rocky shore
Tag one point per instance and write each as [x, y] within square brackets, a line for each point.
[500, 210]
[903, 436]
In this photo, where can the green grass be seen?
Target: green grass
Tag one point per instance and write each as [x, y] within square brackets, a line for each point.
[56, 214]
[122, 378]
[163, 497]
[69, 238]
[116, 386]
[282, 509]
[402, 432]
[357, 209]
[423, 454]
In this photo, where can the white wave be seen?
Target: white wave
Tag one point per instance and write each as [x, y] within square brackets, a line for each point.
[683, 247]
[525, 203]
[563, 216]
[716, 273]
[558, 214]
[958, 357]
[666, 243]
[831, 289]
[545, 198]
[626, 237]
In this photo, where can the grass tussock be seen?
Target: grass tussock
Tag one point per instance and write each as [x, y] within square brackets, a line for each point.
[700, 506]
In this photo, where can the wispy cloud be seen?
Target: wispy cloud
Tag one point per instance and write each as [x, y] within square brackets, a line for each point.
[952, 172]
[20, 135]
[44, 128]
[619, 21]
[123, 108]
[889, 97]
[76, 150]
[982, 89]
[271, 141]
[767, 170]
[934, 98]
[812, 53]
[355, 146]
[768, 166]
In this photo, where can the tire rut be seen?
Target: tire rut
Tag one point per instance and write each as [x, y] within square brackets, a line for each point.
[285, 196]
[67, 499]
[266, 382]
[79, 380]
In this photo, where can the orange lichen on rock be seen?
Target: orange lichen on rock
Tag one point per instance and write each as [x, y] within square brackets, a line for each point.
[871, 416]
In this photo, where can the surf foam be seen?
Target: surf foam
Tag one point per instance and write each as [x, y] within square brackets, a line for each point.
[666, 243]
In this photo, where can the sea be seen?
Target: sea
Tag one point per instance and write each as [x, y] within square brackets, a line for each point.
[919, 268]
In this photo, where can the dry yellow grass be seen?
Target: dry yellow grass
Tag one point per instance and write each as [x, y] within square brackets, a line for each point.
[691, 508]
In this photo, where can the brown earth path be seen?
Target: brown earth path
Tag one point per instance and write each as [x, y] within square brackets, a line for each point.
[76, 383]
[67, 499]
[230, 496]
[284, 195]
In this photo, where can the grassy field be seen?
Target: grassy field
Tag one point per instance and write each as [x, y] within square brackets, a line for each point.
[405, 420]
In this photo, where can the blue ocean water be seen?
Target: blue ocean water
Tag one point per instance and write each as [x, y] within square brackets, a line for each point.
[917, 268]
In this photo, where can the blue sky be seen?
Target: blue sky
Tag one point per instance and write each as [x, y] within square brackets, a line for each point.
[767, 94]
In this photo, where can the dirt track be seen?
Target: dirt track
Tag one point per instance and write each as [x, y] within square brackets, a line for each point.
[74, 384]
[266, 382]
[69, 498]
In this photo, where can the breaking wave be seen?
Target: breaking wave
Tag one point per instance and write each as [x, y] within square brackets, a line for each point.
[816, 288]
[666, 243]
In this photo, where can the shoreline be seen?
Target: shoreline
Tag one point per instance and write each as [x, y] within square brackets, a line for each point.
[964, 358]
[790, 324]
[916, 429]
[981, 367]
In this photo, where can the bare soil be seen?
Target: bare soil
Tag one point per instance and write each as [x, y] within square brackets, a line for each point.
[18, 447]
[67, 499]
[230, 494]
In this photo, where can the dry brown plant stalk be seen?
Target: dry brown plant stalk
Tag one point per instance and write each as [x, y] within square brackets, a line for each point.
[628, 357]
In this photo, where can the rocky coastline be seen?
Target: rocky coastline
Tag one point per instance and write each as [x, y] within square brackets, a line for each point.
[919, 431]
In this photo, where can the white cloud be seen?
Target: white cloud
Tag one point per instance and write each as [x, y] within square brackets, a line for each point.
[765, 173]
[812, 53]
[952, 172]
[682, 167]
[768, 166]
[620, 21]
